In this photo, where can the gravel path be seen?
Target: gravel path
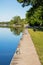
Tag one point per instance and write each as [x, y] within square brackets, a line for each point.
[26, 53]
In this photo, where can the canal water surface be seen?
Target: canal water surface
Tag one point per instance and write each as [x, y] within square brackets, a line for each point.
[9, 40]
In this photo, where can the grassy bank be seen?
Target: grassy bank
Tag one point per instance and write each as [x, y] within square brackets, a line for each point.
[37, 38]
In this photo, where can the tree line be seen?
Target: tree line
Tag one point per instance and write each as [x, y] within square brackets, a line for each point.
[16, 20]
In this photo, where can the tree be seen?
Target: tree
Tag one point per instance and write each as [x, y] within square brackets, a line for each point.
[35, 3]
[35, 15]
[15, 20]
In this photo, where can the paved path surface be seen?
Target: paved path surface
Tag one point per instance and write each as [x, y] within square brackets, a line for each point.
[26, 53]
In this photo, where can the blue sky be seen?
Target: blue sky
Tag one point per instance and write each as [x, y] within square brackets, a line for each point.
[11, 8]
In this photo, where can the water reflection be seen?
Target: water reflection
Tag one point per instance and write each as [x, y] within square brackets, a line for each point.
[9, 40]
[16, 30]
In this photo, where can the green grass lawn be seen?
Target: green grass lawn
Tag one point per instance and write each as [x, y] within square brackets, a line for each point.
[37, 38]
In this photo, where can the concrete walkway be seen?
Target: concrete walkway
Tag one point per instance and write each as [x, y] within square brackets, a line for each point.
[26, 53]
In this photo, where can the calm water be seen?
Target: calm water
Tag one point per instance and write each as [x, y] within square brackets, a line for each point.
[9, 40]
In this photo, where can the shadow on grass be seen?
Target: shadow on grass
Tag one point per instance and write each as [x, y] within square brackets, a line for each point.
[35, 28]
[38, 28]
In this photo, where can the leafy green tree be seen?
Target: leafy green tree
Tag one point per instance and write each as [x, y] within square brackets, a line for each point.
[15, 20]
[35, 15]
[35, 3]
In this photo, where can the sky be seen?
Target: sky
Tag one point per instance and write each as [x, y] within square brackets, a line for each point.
[11, 8]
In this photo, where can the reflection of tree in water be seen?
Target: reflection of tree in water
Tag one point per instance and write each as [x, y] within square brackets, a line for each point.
[16, 30]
